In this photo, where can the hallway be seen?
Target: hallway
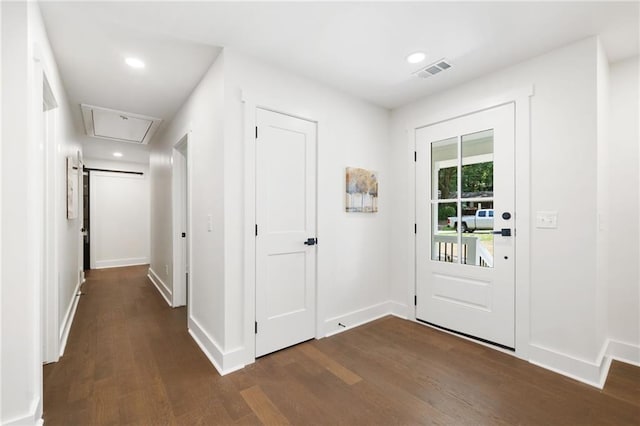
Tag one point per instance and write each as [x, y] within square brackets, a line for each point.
[130, 360]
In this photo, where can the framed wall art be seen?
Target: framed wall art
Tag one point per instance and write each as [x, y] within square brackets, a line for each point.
[361, 190]
[72, 189]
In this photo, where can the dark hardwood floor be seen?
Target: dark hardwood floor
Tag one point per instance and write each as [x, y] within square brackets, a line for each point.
[130, 360]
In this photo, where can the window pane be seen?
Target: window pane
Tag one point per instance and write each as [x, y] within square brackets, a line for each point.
[444, 238]
[477, 237]
[444, 169]
[477, 165]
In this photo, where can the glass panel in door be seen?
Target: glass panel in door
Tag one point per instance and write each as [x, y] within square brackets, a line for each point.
[477, 193]
[444, 186]
[462, 199]
[444, 239]
[444, 166]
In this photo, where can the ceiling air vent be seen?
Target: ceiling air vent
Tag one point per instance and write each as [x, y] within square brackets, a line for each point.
[115, 125]
[433, 69]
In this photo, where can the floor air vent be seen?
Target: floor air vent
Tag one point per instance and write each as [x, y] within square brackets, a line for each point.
[433, 69]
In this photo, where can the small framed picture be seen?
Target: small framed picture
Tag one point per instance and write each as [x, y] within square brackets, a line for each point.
[361, 190]
[72, 189]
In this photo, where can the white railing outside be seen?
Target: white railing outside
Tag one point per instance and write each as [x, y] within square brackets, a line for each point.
[472, 249]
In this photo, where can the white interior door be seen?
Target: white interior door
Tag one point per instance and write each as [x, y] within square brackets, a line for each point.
[285, 231]
[182, 234]
[119, 217]
[465, 278]
[186, 214]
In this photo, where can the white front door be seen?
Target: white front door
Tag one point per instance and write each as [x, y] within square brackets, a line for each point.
[465, 281]
[285, 231]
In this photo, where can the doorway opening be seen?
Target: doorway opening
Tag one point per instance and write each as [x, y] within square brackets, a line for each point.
[181, 223]
[86, 223]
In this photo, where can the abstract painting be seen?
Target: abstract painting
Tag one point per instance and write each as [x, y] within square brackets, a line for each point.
[361, 190]
[72, 189]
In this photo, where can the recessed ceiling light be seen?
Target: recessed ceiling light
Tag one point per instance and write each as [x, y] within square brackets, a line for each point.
[416, 57]
[117, 154]
[134, 63]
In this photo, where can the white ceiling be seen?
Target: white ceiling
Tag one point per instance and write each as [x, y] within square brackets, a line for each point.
[90, 49]
[356, 47]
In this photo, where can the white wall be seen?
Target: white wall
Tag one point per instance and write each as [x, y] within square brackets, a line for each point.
[160, 220]
[602, 219]
[68, 236]
[353, 254]
[1, 201]
[622, 250]
[119, 214]
[22, 192]
[353, 251]
[19, 355]
[563, 162]
[202, 115]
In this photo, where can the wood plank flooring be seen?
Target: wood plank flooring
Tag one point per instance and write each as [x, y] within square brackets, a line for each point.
[130, 360]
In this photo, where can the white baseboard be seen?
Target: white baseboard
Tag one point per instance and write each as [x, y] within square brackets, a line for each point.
[624, 352]
[33, 417]
[589, 372]
[117, 263]
[235, 360]
[224, 363]
[593, 373]
[161, 286]
[401, 310]
[68, 320]
[356, 318]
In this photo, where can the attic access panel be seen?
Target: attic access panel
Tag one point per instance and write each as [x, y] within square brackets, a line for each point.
[118, 125]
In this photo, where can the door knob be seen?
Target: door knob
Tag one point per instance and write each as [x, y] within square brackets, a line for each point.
[311, 242]
[505, 232]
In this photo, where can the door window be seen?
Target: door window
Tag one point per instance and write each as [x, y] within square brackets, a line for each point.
[462, 199]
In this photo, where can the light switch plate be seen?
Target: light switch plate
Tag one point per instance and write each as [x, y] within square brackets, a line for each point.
[548, 220]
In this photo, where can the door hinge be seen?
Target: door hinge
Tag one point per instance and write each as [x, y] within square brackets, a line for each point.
[256, 229]
[256, 132]
[256, 323]
[415, 228]
[415, 156]
[415, 300]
